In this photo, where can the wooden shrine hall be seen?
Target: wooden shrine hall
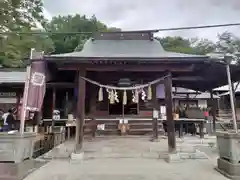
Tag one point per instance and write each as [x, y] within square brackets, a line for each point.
[114, 68]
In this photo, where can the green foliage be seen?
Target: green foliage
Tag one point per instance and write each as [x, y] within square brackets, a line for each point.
[76, 23]
[16, 14]
[228, 43]
[15, 48]
[188, 46]
[25, 15]
[21, 16]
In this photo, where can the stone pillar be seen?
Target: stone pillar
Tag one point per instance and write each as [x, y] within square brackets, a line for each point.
[53, 107]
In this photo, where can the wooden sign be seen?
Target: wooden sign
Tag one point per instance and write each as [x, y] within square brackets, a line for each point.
[8, 94]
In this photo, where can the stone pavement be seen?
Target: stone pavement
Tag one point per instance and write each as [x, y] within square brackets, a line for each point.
[129, 147]
[129, 169]
[128, 158]
[11, 171]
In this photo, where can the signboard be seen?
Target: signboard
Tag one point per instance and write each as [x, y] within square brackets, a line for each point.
[155, 114]
[8, 94]
[56, 115]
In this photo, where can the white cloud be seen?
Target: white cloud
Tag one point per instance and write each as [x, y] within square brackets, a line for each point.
[151, 14]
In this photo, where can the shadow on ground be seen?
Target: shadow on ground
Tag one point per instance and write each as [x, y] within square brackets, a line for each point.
[11, 171]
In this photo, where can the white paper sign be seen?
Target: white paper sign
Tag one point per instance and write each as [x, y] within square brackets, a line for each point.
[101, 127]
[163, 110]
[155, 114]
[125, 121]
[56, 115]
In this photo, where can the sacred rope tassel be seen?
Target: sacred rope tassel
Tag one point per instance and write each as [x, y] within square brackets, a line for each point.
[133, 96]
[124, 97]
[143, 95]
[136, 96]
[149, 92]
[100, 94]
[112, 99]
[116, 96]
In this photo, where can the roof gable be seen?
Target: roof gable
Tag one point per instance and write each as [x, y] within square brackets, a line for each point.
[124, 45]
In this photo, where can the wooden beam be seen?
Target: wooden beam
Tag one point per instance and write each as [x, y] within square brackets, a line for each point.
[189, 78]
[131, 67]
[169, 111]
[53, 107]
[61, 85]
[80, 110]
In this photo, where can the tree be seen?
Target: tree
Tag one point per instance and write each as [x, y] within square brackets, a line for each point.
[69, 42]
[228, 43]
[15, 14]
[202, 46]
[176, 44]
[15, 48]
[21, 16]
[188, 46]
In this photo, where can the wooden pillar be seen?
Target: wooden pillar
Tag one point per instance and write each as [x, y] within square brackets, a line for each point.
[80, 110]
[155, 108]
[234, 97]
[53, 107]
[170, 120]
[213, 110]
[66, 110]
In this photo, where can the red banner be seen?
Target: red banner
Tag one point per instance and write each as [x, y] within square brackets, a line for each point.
[37, 85]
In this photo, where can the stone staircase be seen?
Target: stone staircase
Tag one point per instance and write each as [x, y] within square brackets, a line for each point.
[224, 115]
[137, 127]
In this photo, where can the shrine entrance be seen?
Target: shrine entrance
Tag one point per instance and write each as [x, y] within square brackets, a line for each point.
[128, 64]
[119, 109]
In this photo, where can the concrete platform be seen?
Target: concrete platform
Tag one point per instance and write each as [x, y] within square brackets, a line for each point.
[129, 169]
[124, 147]
[228, 169]
[130, 158]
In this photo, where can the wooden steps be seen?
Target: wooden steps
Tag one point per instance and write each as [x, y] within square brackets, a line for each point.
[137, 127]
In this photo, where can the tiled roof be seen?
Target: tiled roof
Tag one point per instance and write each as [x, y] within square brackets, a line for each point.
[12, 77]
[125, 49]
[204, 95]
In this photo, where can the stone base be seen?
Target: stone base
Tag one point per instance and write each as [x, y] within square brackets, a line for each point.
[172, 158]
[228, 169]
[16, 147]
[79, 156]
[180, 156]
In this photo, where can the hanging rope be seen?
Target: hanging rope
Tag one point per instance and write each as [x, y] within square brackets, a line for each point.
[125, 88]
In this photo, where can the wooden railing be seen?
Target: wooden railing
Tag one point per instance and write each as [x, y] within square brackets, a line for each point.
[46, 142]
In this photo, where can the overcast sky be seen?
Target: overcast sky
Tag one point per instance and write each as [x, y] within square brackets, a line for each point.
[152, 14]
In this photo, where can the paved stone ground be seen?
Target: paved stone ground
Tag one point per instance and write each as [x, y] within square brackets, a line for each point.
[128, 147]
[115, 158]
[11, 171]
